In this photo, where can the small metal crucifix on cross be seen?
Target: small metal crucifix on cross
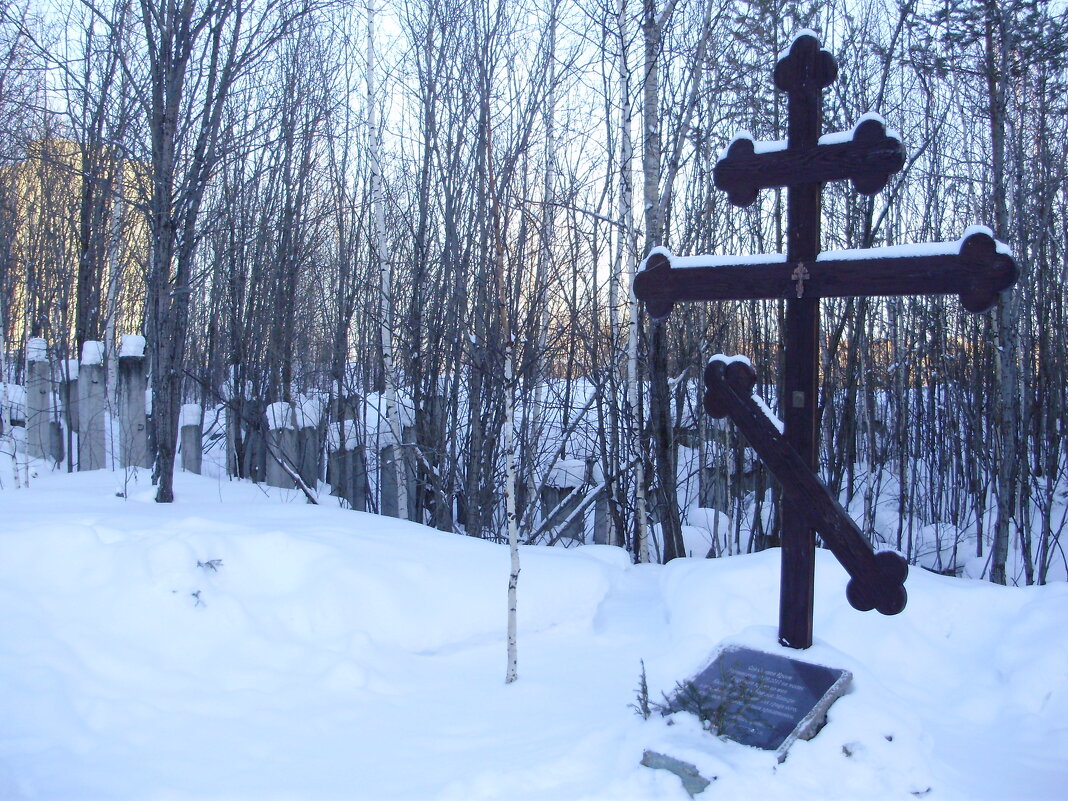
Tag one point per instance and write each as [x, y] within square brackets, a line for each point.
[976, 268]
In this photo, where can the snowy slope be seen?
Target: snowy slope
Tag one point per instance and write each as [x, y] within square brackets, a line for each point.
[330, 654]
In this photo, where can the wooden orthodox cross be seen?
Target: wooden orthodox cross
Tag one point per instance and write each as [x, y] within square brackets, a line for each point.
[976, 268]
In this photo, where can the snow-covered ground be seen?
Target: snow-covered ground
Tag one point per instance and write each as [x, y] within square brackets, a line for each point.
[241, 644]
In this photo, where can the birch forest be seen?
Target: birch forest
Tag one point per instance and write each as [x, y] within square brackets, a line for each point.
[426, 215]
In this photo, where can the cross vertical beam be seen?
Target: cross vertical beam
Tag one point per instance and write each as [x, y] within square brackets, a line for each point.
[803, 75]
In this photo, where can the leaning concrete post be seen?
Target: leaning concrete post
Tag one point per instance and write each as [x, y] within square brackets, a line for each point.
[91, 395]
[309, 412]
[133, 421]
[601, 521]
[281, 444]
[339, 458]
[191, 427]
[37, 398]
[561, 493]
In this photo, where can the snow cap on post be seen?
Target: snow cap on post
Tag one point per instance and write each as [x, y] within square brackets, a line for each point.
[36, 350]
[16, 404]
[189, 415]
[279, 415]
[309, 411]
[132, 345]
[567, 473]
[92, 352]
[342, 436]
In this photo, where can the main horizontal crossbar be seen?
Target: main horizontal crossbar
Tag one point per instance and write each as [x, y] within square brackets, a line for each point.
[978, 271]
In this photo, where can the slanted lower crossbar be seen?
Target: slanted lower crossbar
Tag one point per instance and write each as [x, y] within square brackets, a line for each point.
[877, 580]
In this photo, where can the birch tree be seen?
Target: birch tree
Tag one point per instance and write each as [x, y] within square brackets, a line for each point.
[628, 266]
[660, 169]
[384, 259]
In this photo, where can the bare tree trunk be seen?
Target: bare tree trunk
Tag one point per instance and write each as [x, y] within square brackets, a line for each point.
[508, 430]
[384, 257]
[111, 341]
[659, 394]
[538, 376]
[629, 267]
[509, 484]
[1007, 315]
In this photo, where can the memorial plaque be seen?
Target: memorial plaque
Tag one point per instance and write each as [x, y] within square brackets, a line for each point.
[761, 699]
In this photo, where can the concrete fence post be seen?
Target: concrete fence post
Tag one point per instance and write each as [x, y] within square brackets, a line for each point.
[255, 440]
[57, 450]
[309, 413]
[347, 465]
[602, 523]
[38, 397]
[91, 398]
[68, 392]
[387, 476]
[561, 492]
[191, 430]
[133, 419]
[281, 445]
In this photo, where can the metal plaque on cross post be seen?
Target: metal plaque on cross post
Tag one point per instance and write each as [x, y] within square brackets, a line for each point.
[976, 268]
